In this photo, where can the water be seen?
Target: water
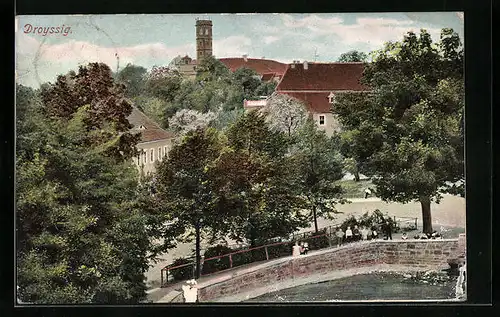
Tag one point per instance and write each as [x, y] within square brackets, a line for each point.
[376, 286]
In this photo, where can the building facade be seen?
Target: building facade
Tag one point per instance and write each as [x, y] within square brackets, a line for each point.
[155, 143]
[317, 84]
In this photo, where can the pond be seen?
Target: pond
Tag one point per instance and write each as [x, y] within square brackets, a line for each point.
[375, 286]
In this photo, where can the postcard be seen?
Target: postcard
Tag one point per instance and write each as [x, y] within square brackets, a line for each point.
[248, 158]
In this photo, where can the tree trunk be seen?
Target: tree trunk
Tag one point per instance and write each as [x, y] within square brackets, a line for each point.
[315, 220]
[425, 202]
[198, 250]
[356, 172]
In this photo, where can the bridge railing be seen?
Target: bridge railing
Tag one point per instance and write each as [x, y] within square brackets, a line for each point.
[241, 257]
[248, 255]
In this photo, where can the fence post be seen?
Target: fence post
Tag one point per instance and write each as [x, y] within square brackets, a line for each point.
[230, 260]
[267, 254]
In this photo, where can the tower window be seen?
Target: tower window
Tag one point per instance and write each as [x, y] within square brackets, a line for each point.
[321, 120]
[206, 31]
[201, 32]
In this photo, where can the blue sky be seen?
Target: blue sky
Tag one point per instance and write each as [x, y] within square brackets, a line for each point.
[150, 40]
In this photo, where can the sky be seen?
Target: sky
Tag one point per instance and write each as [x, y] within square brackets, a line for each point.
[154, 40]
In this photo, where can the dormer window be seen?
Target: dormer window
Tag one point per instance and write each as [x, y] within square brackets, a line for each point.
[331, 98]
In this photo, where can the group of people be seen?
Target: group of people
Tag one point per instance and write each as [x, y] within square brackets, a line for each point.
[363, 233]
[426, 236]
[301, 249]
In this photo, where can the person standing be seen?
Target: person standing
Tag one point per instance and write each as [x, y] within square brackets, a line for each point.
[388, 230]
[364, 233]
[356, 234]
[368, 192]
[306, 247]
[348, 235]
[339, 234]
[374, 233]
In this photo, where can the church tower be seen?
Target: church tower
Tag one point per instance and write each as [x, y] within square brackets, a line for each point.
[203, 39]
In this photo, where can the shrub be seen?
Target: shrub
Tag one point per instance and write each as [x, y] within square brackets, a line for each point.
[182, 273]
[280, 250]
[219, 264]
[319, 242]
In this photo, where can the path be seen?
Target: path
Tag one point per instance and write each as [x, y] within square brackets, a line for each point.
[449, 213]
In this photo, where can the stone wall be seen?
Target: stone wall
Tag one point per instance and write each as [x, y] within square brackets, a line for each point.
[395, 254]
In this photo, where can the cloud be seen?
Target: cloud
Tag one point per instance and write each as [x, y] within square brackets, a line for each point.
[371, 31]
[270, 39]
[33, 55]
[232, 46]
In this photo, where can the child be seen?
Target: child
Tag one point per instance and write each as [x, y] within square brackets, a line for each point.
[404, 236]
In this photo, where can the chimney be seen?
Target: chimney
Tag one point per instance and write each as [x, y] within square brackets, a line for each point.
[245, 58]
[305, 65]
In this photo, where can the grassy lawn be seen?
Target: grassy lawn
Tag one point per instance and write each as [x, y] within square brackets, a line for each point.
[355, 189]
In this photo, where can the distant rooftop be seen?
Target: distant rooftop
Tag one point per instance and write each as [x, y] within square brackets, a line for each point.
[150, 130]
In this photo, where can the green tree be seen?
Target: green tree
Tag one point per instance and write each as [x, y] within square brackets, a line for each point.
[319, 166]
[133, 77]
[266, 88]
[255, 174]
[93, 86]
[249, 80]
[353, 56]
[186, 189]
[81, 234]
[211, 69]
[163, 83]
[409, 129]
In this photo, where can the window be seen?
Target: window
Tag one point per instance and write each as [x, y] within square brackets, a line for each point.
[144, 157]
[331, 98]
[152, 155]
[138, 159]
[201, 32]
[321, 120]
[159, 154]
[165, 151]
[206, 31]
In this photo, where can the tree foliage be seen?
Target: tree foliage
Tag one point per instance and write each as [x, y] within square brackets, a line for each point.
[82, 233]
[353, 56]
[257, 179]
[93, 87]
[133, 77]
[187, 120]
[285, 114]
[319, 166]
[187, 190]
[408, 131]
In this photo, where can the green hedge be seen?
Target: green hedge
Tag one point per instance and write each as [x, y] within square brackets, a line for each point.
[219, 264]
[182, 273]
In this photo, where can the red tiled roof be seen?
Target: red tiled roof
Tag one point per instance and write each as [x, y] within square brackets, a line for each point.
[268, 76]
[316, 102]
[152, 131]
[323, 76]
[261, 66]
